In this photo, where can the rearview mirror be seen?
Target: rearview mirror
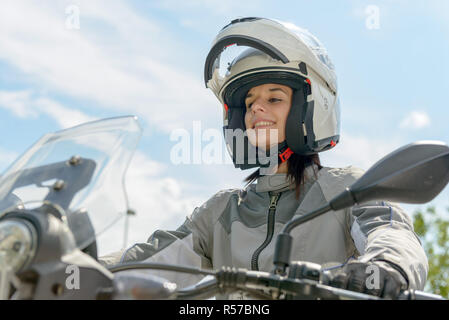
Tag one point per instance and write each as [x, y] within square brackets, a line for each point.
[415, 173]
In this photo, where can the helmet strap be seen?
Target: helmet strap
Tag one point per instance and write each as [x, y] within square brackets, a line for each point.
[284, 152]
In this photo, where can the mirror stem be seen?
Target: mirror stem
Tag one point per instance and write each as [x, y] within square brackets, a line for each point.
[304, 218]
[281, 258]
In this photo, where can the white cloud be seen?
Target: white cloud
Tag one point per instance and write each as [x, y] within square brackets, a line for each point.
[415, 120]
[132, 77]
[17, 102]
[358, 151]
[65, 117]
[24, 104]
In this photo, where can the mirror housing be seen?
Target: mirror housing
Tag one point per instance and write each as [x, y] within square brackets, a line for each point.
[415, 173]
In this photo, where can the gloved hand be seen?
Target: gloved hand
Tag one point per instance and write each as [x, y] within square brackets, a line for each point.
[378, 278]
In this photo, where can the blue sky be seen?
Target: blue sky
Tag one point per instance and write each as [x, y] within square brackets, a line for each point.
[146, 58]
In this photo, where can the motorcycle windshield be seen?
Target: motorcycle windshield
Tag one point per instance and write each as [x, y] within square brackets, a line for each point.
[81, 170]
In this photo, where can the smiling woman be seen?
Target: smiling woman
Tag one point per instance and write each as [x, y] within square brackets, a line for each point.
[280, 94]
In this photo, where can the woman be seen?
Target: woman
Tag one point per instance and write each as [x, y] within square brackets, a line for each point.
[281, 108]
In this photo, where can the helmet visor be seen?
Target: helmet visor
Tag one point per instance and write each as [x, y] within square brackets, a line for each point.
[226, 52]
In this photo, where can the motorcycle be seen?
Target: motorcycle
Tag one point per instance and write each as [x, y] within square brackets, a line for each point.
[69, 187]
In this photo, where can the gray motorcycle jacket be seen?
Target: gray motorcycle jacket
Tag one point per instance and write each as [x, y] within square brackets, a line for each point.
[236, 228]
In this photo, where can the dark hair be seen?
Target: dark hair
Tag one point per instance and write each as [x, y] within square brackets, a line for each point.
[296, 165]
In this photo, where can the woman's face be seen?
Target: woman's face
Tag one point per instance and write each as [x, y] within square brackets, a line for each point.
[267, 108]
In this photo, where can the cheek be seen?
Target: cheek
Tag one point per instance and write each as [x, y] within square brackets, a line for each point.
[282, 115]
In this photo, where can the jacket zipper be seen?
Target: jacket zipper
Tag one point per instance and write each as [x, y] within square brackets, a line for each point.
[270, 230]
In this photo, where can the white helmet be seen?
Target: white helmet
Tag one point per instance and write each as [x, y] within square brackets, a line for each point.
[253, 51]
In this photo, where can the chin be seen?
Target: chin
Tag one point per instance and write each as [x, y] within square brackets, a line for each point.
[267, 145]
[262, 139]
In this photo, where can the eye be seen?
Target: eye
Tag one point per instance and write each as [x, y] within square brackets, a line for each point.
[274, 100]
[248, 106]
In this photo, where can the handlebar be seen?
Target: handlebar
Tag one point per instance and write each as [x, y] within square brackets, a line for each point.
[264, 285]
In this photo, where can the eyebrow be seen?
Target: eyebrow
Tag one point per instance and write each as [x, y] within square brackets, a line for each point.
[249, 95]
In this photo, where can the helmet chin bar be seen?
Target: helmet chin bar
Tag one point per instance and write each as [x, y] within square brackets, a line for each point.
[246, 156]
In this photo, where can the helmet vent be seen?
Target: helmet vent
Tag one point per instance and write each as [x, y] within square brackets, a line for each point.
[303, 68]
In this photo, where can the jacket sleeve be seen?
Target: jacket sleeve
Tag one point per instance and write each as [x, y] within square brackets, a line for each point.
[188, 246]
[383, 231]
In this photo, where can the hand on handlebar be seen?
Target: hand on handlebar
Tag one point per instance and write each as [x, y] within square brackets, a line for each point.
[377, 278]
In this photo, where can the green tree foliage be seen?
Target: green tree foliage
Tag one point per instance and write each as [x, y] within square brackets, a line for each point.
[433, 231]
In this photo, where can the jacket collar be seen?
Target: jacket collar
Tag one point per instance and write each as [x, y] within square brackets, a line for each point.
[279, 181]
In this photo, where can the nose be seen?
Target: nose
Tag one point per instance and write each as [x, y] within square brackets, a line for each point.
[258, 105]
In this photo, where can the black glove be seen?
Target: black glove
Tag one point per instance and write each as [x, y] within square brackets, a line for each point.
[378, 278]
